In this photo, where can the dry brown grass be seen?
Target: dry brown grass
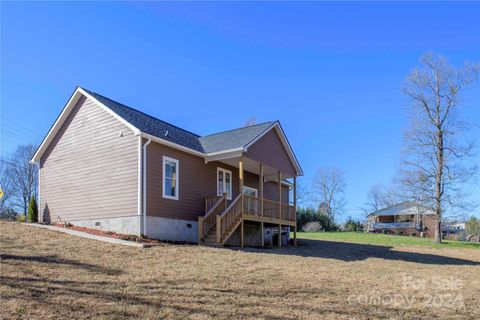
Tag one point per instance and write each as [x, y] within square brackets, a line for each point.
[49, 275]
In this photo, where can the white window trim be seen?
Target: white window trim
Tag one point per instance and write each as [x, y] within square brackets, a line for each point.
[177, 189]
[251, 189]
[229, 196]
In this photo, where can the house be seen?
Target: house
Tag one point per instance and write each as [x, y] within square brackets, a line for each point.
[403, 218]
[107, 166]
[454, 230]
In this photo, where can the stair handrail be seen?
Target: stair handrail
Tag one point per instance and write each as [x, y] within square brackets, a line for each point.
[231, 205]
[207, 222]
[223, 215]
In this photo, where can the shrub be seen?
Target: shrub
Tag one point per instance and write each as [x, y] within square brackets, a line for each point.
[413, 234]
[307, 215]
[312, 226]
[21, 218]
[8, 213]
[384, 231]
[326, 221]
[32, 213]
[400, 233]
[352, 225]
[472, 226]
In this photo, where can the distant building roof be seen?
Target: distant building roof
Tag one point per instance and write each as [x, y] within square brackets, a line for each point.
[403, 208]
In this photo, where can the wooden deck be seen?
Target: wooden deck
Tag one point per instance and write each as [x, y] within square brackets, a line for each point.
[220, 221]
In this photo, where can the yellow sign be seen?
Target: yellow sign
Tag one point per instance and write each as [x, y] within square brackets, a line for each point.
[1, 193]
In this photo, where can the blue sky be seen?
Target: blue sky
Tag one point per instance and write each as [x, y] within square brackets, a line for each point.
[330, 72]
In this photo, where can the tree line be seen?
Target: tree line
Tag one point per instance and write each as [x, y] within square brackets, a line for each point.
[18, 181]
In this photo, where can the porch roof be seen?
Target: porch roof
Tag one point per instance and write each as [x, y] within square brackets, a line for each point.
[402, 209]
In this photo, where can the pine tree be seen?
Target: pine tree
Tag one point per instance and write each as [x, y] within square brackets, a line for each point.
[32, 214]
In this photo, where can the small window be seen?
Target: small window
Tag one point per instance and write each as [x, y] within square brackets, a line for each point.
[249, 191]
[224, 183]
[170, 178]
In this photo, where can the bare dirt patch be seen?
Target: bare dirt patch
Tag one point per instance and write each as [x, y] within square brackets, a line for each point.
[48, 275]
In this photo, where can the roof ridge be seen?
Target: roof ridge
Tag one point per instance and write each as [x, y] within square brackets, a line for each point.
[136, 110]
[392, 206]
[230, 130]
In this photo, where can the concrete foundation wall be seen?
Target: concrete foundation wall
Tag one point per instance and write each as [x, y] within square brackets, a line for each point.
[124, 225]
[172, 229]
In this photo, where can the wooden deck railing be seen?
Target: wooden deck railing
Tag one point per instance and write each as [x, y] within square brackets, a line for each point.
[251, 205]
[210, 202]
[229, 218]
[226, 219]
[206, 223]
[288, 212]
[271, 209]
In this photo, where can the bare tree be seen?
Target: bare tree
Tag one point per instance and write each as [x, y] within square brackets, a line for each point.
[436, 164]
[379, 197]
[302, 194]
[328, 191]
[6, 186]
[250, 122]
[23, 176]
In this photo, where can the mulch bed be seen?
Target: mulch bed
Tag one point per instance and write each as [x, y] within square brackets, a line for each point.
[109, 234]
[128, 237]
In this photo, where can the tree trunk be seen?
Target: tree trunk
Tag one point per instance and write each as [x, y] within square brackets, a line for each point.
[438, 186]
[438, 231]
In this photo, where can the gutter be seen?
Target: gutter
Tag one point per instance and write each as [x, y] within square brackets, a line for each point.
[144, 191]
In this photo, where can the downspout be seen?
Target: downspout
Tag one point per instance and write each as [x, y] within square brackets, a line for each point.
[144, 179]
[139, 187]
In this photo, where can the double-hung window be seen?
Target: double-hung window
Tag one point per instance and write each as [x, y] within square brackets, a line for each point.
[224, 183]
[170, 178]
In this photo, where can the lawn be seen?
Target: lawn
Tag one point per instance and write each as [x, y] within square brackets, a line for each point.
[384, 239]
[50, 275]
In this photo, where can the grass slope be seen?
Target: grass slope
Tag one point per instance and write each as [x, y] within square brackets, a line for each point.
[383, 239]
[50, 275]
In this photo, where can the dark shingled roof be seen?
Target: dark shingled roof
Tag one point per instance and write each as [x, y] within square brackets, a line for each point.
[221, 141]
[151, 125]
[232, 139]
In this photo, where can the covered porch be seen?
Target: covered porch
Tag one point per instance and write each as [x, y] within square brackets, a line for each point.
[254, 207]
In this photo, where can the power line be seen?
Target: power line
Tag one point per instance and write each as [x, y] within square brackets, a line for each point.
[20, 135]
[23, 127]
[6, 127]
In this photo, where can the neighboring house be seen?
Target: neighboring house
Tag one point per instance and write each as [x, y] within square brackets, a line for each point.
[453, 226]
[108, 166]
[454, 230]
[403, 218]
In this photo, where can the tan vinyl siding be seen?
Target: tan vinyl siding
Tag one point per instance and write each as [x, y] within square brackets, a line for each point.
[89, 171]
[269, 150]
[197, 180]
